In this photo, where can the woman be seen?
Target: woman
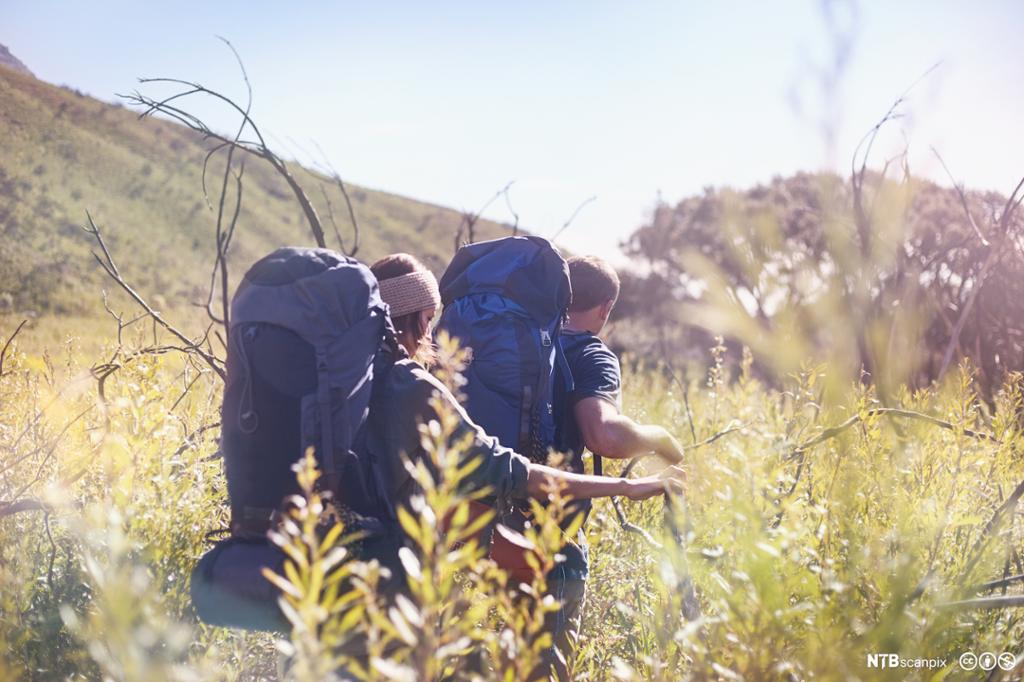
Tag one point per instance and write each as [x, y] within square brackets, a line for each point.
[404, 387]
[411, 292]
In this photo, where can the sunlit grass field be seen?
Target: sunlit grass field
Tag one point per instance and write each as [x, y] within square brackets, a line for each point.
[810, 547]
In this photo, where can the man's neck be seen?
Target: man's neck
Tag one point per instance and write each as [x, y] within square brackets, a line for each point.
[586, 321]
[577, 327]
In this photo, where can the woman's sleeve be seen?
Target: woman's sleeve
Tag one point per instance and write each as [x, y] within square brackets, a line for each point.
[500, 470]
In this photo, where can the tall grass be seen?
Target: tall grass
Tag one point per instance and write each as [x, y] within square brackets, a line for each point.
[806, 558]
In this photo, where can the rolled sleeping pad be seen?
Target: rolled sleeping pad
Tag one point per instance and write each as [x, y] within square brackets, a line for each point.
[228, 587]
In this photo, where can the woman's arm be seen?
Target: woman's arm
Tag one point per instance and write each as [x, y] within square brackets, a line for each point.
[509, 474]
[584, 486]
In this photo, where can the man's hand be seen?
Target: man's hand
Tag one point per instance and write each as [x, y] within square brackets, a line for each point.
[671, 479]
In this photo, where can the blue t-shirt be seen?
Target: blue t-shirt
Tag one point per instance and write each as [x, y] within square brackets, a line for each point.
[595, 374]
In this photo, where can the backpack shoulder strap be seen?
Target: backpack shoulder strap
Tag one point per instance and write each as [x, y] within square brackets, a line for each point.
[323, 398]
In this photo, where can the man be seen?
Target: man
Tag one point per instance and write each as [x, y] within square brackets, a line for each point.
[589, 417]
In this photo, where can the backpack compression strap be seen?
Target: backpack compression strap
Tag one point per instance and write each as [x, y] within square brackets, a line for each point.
[389, 343]
[323, 397]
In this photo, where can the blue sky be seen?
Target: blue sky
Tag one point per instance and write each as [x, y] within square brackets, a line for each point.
[449, 101]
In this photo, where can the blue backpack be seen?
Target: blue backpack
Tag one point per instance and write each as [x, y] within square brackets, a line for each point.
[506, 300]
[307, 327]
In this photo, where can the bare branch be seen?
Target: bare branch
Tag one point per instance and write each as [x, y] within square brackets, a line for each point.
[998, 584]
[799, 451]
[223, 236]
[241, 67]
[572, 217]
[18, 506]
[185, 393]
[206, 163]
[7, 345]
[191, 439]
[328, 169]
[110, 267]
[963, 198]
[961, 320]
[469, 219]
[631, 527]
[857, 175]
[686, 399]
[515, 216]
[224, 242]
[49, 448]
[1002, 602]
[257, 148]
[995, 251]
[1009, 504]
[834, 431]
[331, 219]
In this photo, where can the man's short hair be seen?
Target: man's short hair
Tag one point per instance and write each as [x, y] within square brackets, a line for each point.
[594, 282]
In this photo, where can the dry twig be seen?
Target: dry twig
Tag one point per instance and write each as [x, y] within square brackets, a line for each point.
[631, 527]
[572, 217]
[189, 346]
[257, 147]
[7, 345]
[469, 220]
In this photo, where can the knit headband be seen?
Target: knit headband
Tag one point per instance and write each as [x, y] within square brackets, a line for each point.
[410, 293]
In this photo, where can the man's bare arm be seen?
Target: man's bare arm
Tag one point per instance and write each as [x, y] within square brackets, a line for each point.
[609, 433]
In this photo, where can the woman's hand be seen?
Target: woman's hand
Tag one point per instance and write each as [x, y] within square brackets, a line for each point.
[671, 479]
[539, 479]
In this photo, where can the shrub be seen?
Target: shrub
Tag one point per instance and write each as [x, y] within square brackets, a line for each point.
[815, 534]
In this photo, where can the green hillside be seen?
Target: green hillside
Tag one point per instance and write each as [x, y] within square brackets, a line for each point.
[64, 153]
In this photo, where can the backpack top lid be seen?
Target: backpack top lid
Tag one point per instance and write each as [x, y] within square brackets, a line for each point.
[320, 295]
[527, 270]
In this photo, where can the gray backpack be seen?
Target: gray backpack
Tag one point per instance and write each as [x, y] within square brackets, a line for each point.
[307, 329]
